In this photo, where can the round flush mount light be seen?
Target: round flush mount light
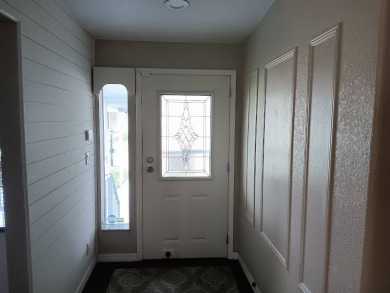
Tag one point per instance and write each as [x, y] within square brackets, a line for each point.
[177, 4]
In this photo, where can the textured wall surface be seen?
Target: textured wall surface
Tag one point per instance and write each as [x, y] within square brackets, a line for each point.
[57, 58]
[290, 24]
[165, 55]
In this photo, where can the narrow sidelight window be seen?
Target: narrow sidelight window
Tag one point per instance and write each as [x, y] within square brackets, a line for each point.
[114, 148]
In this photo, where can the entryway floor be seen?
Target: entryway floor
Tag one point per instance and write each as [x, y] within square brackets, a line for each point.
[173, 276]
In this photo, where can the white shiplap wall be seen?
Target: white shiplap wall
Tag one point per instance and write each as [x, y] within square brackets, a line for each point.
[57, 60]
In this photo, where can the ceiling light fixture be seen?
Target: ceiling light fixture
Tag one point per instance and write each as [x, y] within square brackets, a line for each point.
[177, 4]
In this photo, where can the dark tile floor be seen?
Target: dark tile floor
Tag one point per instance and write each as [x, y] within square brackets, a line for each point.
[103, 272]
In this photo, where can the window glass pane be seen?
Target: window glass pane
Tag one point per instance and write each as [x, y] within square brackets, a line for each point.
[2, 216]
[185, 142]
[115, 140]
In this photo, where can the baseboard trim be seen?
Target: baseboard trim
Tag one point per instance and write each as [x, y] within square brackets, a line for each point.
[246, 271]
[117, 257]
[86, 276]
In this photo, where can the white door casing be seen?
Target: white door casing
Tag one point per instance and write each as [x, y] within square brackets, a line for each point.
[185, 216]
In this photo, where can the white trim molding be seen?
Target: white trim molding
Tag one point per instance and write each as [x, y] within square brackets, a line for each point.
[86, 276]
[103, 76]
[117, 257]
[323, 248]
[232, 138]
[246, 272]
[138, 163]
[251, 97]
[283, 257]
[106, 75]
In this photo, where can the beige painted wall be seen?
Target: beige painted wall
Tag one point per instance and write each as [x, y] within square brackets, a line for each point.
[162, 55]
[290, 24]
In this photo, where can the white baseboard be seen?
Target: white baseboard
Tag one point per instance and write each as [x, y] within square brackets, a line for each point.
[86, 276]
[246, 271]
[117, 257]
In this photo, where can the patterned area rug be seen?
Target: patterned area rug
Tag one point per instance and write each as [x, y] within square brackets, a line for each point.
[202, 279]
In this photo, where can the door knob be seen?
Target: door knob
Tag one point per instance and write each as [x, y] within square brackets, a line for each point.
[149, 169]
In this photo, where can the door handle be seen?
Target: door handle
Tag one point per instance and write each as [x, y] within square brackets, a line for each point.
[149, 169]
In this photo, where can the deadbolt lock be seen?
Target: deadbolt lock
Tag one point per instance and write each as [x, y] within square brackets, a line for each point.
[149, 160]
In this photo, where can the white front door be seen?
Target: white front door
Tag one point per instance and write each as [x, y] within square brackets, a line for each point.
[185, 126]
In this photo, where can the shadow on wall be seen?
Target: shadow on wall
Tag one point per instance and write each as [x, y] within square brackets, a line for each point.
[3, 264]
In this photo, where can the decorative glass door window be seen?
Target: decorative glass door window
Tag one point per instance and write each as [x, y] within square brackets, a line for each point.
[185, 143]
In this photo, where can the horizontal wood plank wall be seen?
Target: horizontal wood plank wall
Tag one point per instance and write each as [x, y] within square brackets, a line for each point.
[57, 60]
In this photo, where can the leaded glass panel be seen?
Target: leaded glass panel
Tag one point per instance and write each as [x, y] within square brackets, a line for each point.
[185, 135]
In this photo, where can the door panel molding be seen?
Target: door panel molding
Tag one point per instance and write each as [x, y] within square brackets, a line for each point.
[319, 169]
[251, 130]
[277, 175]
[140, 73]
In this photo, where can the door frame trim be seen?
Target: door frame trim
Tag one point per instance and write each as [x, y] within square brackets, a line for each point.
[232, 130]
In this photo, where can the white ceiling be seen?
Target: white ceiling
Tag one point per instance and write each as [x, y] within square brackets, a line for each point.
[205, 21]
